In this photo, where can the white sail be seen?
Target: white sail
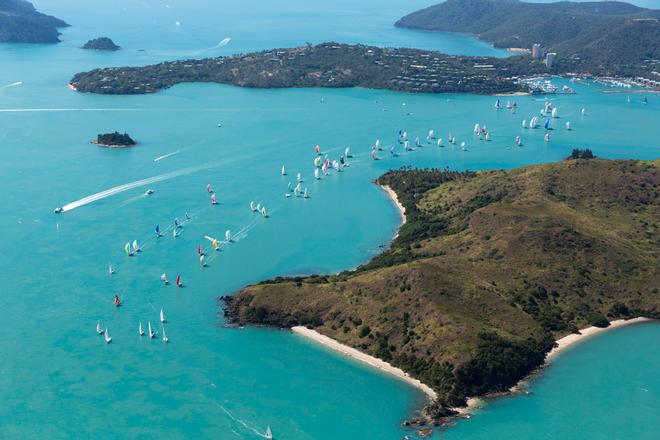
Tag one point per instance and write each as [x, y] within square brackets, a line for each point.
[524, 123]
[476, 128]
[107, 336]
[299, 177]
[317, 174]
[347, 152]
[269, 434]
[165, 338]
[98, 328]
[406, 145]
[252, 206]
[202, 260]
[283, 171]
[136, 248]
[431, 134]
[306, 195]
[568, 125]
[555, 113]
[584, 111]
[175, 233]
[264, 212]
[440, 142]
[111, 270]
[151, 332]
[140, 331]
[162, 315]
[378, 144]
[463, 147]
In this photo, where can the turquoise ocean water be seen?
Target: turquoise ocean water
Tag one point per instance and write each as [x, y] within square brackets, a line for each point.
[59, 379]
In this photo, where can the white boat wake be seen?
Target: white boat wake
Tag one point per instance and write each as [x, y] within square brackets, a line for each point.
[165, 156]
[138, 183]
[42, 110]
[17, 83]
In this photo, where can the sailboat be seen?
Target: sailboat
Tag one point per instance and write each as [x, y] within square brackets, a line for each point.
[111, 270]
[151, 332]
[347, 152]
[518, 141]
[378, 144]
[568, 125]
[107, 336]
[164, 279]
[584, 112]
[99, 330]
[555, 113]
[463, 147]
[546, 137]
[476, 128]
[406, 146]
[488, 136]
[431, 134]
[497, 104]
[127, 249]
[297, 190]
[214, 243]
[165, 338]
[524, 123]
[162, 315]
[299, 177]
[305, 194]
[140, 330]
[440, 142]
[213, 199]
[179, 283]
[317, 174]
[252, 207]
[208, 188]
[136, 247]
[547, 124]
[228, 235]
[283, 171]
[264, 213]
[202, 261]
[269, 434]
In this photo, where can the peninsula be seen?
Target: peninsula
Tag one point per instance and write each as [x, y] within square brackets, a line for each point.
[488, 271]
[114, 140]
[601, 37]
[102, 43]
[20, 22]
[324, 65]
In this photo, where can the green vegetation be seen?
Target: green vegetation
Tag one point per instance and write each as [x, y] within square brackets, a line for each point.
[324, 65]
[578, 153]
[490, 268]
[21, 23]
[102, 43]
[115, 139]
[601, 38]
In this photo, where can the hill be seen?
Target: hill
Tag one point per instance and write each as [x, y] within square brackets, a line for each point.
[102, 43]
[599, 37]
[490, 268]
[21, 23]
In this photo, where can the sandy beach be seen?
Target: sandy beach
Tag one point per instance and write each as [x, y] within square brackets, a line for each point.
[362, 357]
[390, 192]
[572, 339]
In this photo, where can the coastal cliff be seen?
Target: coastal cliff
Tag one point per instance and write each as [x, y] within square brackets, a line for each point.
[20, 22]
[488, 271]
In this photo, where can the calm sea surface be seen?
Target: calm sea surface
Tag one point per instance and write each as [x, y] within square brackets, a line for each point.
[58, 379]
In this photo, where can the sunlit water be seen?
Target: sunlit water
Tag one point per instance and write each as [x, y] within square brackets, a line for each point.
[59, 379]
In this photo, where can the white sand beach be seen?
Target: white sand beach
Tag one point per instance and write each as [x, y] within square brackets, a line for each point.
[362, 357]
[390, 192]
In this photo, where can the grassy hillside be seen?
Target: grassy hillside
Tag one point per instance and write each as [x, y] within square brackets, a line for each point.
[490, 268]
[599, 37]
[21, 23]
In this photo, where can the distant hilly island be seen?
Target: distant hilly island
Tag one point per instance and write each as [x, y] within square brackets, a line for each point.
[600, 35]
[20, 22]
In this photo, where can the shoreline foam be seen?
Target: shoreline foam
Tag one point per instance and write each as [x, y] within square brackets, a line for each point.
[351, 352]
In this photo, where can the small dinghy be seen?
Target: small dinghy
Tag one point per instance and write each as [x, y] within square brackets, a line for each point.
[58, 210]
[264, 213]
[463, 146]
[136, 247]
[568, 125]
[165, 338]
[128, 250]
[157, 231]
[555, 113]
[373, 154]
[546, 137]
[152, 334]
[305, 194]
[477, 129]
[524, 123]
[202, 261]
[431, 134]
[317, 174]
[108, 339]
[347, 152]
[299, 177]
[406, 146]
[268, 435]
[283, 171]
[99, 330]
[498, 105]
[584, 112]
[518, 141]
[140, 330]
[149, 192]
[378, 145]
[228, 235]
[440, 142]
[179, 282]
[111, 270]
[162, 315]
[253, 207]
[164, 279]
[214, 201]
[208, 188]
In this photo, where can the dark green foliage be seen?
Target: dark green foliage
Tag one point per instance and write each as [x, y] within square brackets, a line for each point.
[325, 65]
[102, 43]
[364, 331]
[438, 376]
[578, 153]
[619, 310]
[115, 139]
[598, 37]
[21, 23]
[597, 320]
[500, 363]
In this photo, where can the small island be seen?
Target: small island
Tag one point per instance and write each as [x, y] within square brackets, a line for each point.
[102, 43]
[114, 140]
